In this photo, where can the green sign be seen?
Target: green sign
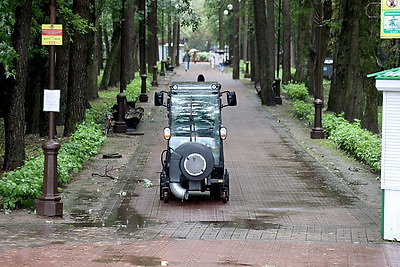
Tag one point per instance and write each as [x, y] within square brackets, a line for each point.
[390, 19]
[391, 22]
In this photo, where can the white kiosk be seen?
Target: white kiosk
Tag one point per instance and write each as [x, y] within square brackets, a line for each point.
[389, 82]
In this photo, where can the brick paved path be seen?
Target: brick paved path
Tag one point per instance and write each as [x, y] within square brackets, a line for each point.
[284, 210]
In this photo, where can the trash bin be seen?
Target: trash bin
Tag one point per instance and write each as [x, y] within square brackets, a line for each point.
[328, 68]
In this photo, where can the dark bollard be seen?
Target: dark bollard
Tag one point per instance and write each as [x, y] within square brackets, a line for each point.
[154, 82]
[49, 203]
[317, 131]
[120, 124]
[143, 95]
[247, 73]
[163, 63]
[277, 89]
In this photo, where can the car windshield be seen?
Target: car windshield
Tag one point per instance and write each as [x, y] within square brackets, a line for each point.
[196, 118]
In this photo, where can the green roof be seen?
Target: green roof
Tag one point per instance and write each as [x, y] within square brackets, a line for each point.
[392, 74]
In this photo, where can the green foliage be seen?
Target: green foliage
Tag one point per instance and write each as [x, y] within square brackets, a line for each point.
[23, 186]
[188, 16]
[7, 57]
[74, 22]
[349, 137]
[203, 56]
[296, 91]
[133, 89]
[301, 109]
[7, 21]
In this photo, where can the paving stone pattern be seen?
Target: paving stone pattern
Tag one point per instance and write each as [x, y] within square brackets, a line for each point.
[285, 209]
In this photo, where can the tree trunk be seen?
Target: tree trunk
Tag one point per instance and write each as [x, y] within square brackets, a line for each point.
[76, 101]
[351, 92]
[271, 47]
[304, 44]
[153, 40]
[93, 60]
[142, 36]
[62, 73]
[130, 48]
[263, 65]
[115, 74]
[38, 79]
[287, 32]
[112, 57]
[14, 121]
[235, 41]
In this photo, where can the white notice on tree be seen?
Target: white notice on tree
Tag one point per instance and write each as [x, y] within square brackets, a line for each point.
[51, 101]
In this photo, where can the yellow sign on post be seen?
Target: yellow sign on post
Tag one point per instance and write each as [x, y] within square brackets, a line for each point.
[390, 19]
[51, 34]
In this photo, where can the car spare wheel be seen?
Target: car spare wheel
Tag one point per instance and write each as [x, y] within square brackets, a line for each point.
[197, 161]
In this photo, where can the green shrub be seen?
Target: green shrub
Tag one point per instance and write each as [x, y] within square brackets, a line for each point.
[133, 89]
[301, 109]
[23, 186]
[349, 137]
[360, 143]
[296, 91]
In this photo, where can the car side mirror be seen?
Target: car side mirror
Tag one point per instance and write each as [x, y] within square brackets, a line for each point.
[159, 98]
[231, 98]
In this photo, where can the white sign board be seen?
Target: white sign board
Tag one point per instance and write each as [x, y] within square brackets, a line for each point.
[51, 101]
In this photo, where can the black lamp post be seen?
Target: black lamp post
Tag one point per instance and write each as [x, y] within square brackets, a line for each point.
[49, 203]
[317, 131]
[120, 124]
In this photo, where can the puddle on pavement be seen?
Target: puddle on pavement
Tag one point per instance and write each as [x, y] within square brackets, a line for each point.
[125, 217]
[130, 259]
[251, 224]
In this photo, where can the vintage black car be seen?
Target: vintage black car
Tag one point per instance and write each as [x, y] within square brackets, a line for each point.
[194, 159]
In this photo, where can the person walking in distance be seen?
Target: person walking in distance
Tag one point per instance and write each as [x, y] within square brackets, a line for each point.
[221, 62]
[194, 57]
[212, 59]
[187, 60]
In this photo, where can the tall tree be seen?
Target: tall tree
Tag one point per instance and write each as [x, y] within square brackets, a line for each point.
[287, 33]
[235, 40]
[305, 47]
[92, 55]
[152, 56]
[131, 40]
[263, 64]
[112, 59]
[351, 92]
[142, 36]
[76, 101]
[14, 121]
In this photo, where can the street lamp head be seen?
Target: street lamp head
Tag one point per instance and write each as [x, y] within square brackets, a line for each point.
[230, 6]
[226, 12]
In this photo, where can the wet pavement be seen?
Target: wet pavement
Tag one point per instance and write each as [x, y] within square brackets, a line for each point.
[286, 208]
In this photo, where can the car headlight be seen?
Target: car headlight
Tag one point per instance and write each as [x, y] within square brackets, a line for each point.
[167, 133]
[223, 132]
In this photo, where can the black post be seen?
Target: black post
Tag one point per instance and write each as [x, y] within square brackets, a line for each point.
[162, 73]
[154, 82]
[277, 89]
[142, 52]
[120, 124]
[143, 92]
[49, 203]
[278, 39]
[317, 130]
[247, 73]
